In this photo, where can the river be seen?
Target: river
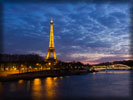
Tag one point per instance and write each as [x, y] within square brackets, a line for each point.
[111, 83]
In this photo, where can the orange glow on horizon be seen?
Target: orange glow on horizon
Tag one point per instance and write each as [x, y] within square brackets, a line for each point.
[91, 63]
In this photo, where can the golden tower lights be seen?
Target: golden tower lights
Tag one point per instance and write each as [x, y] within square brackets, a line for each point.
[51, 48]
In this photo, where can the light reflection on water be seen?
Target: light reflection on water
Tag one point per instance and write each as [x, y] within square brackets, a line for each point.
[20, 81]
[28, 85]
[47, 89]
[1, 88]
[12, 87]
[36, 89]
[51, 87]
[115, 72]
[108, 83]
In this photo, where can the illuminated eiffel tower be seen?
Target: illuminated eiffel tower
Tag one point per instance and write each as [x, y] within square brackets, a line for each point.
[51, 48]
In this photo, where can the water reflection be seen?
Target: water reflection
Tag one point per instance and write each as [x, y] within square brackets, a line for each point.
[55, 78]
[20, 81]
[115, 72]
[28, 85]
[46, 88]
[1, 87]
[12, 87]
[98, 84]
[20, 85]
[36, 89]
[51, 87]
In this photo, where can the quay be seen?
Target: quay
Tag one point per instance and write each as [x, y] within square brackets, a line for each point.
[42, 74]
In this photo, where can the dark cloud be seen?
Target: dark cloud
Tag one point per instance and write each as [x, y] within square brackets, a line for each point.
[78, 28]
[115, 58]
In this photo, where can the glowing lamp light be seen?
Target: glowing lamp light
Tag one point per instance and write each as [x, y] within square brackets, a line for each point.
[37, 64]
[15, 68]
[30, 67]
[7, 69]
[49, 63]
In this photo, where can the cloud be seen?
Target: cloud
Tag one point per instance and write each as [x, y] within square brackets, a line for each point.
[82, 31]
[37, 52]
[90, 56]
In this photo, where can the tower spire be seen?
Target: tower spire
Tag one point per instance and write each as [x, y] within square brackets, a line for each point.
[51, 19]
[51, 48]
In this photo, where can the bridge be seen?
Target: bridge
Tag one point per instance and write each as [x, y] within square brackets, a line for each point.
[114, 66]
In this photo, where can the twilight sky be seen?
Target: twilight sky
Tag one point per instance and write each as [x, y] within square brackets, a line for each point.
[86, 32]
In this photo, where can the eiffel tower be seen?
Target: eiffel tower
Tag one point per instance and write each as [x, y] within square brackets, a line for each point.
[51, 48]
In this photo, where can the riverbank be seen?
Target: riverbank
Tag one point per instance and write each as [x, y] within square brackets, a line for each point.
[85, 86]
[42, 74]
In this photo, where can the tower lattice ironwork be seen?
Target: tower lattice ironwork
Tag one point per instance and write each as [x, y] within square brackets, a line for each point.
[51, 48]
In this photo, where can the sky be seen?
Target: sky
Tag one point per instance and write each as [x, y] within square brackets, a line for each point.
[86, 32]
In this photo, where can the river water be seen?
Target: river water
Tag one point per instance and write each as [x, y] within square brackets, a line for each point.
[98, 85]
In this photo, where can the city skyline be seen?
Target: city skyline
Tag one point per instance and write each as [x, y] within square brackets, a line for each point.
[90, 33]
